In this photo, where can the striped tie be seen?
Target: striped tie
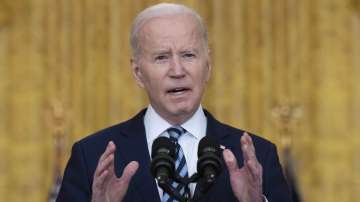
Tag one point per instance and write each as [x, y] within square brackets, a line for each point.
[180, 164]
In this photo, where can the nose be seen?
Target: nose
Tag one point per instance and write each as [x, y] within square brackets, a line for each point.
[176, 67]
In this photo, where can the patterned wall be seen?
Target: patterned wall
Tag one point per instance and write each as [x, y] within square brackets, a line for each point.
[285, 69]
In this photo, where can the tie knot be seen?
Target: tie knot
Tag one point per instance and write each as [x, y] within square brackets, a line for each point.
[175, 132]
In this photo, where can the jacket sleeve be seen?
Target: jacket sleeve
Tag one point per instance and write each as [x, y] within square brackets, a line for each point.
[275, 187]
[76, 184]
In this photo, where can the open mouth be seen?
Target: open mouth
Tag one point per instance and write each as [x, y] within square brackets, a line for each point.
[177, 90]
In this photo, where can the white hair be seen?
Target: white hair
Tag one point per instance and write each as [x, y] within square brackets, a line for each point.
[160, 10]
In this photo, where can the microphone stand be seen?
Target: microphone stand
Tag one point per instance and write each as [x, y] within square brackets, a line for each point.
[166, 186]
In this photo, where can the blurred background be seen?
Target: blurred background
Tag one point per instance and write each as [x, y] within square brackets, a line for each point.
[284, 69]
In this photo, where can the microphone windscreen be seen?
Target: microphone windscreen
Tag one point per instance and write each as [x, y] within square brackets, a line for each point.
[163, 143]
[206, 144]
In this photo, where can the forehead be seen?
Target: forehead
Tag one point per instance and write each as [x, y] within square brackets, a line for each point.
[172, 29]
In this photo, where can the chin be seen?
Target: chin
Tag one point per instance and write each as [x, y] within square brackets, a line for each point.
[178, 115]
[183, 110]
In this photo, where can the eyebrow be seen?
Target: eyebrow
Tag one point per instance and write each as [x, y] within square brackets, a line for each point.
[195, 50]
[169, 52]
[158, 52]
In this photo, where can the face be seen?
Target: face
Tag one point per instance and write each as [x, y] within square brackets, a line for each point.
[172, 66]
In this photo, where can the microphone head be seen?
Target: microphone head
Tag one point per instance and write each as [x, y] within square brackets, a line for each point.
[163, 145]
[209, 164]
[163, 160]
[208, 144]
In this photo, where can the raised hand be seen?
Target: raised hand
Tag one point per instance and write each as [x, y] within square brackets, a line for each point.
[246, 182]
[107, 187]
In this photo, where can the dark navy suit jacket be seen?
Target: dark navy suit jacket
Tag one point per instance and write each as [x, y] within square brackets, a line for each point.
[131, 145]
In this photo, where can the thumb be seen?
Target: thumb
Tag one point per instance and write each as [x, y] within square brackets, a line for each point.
[129, 171]
[230, 161]
[124, 180]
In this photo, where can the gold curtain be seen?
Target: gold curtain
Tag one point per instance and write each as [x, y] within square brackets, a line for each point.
[284, 69]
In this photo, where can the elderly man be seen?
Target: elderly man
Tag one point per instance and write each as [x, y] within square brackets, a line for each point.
[171, 62]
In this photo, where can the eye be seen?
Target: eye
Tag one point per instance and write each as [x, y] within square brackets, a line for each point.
[189, 55]
[161, 57]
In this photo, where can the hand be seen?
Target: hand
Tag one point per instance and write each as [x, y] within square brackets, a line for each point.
[107, 187]
[246, 182]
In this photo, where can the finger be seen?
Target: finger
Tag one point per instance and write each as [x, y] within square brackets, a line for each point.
[110, 148]
[105, 165]
[106, 158]
[125, 178]
[129, 172]
[247, 148]
[255, 169]
[99, 181]
[249, 141]
[230, 161]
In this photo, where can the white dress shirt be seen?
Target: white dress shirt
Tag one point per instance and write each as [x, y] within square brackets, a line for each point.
[195, 128]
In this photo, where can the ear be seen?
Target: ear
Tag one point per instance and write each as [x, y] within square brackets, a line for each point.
[135, 66]
[208, 65]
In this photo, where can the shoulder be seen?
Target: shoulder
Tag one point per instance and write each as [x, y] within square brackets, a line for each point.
[229, 136]
[265, 150]
[226, 131]
[234, 134]
[114, 132]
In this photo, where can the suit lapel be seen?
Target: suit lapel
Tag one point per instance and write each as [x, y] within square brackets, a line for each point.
[137, 150]
[214, 128]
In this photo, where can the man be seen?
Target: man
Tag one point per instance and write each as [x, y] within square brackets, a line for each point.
[171, 62]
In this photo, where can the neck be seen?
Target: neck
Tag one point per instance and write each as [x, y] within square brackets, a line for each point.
[178, 118]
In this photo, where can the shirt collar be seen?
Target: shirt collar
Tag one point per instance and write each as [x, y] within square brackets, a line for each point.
[196, 125]
[155, 125]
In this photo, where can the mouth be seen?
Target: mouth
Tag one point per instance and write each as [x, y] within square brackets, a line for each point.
[178, 91]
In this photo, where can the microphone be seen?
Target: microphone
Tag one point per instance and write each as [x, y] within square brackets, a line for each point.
[163, 163]
[209, 160]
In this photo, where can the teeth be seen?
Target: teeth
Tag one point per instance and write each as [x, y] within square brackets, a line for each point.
[177, 90]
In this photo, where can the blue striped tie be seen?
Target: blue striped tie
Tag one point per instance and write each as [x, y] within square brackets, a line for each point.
[180, 164]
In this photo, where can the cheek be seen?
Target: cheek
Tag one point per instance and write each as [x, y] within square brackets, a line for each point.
[204, 76]
[153, 84]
